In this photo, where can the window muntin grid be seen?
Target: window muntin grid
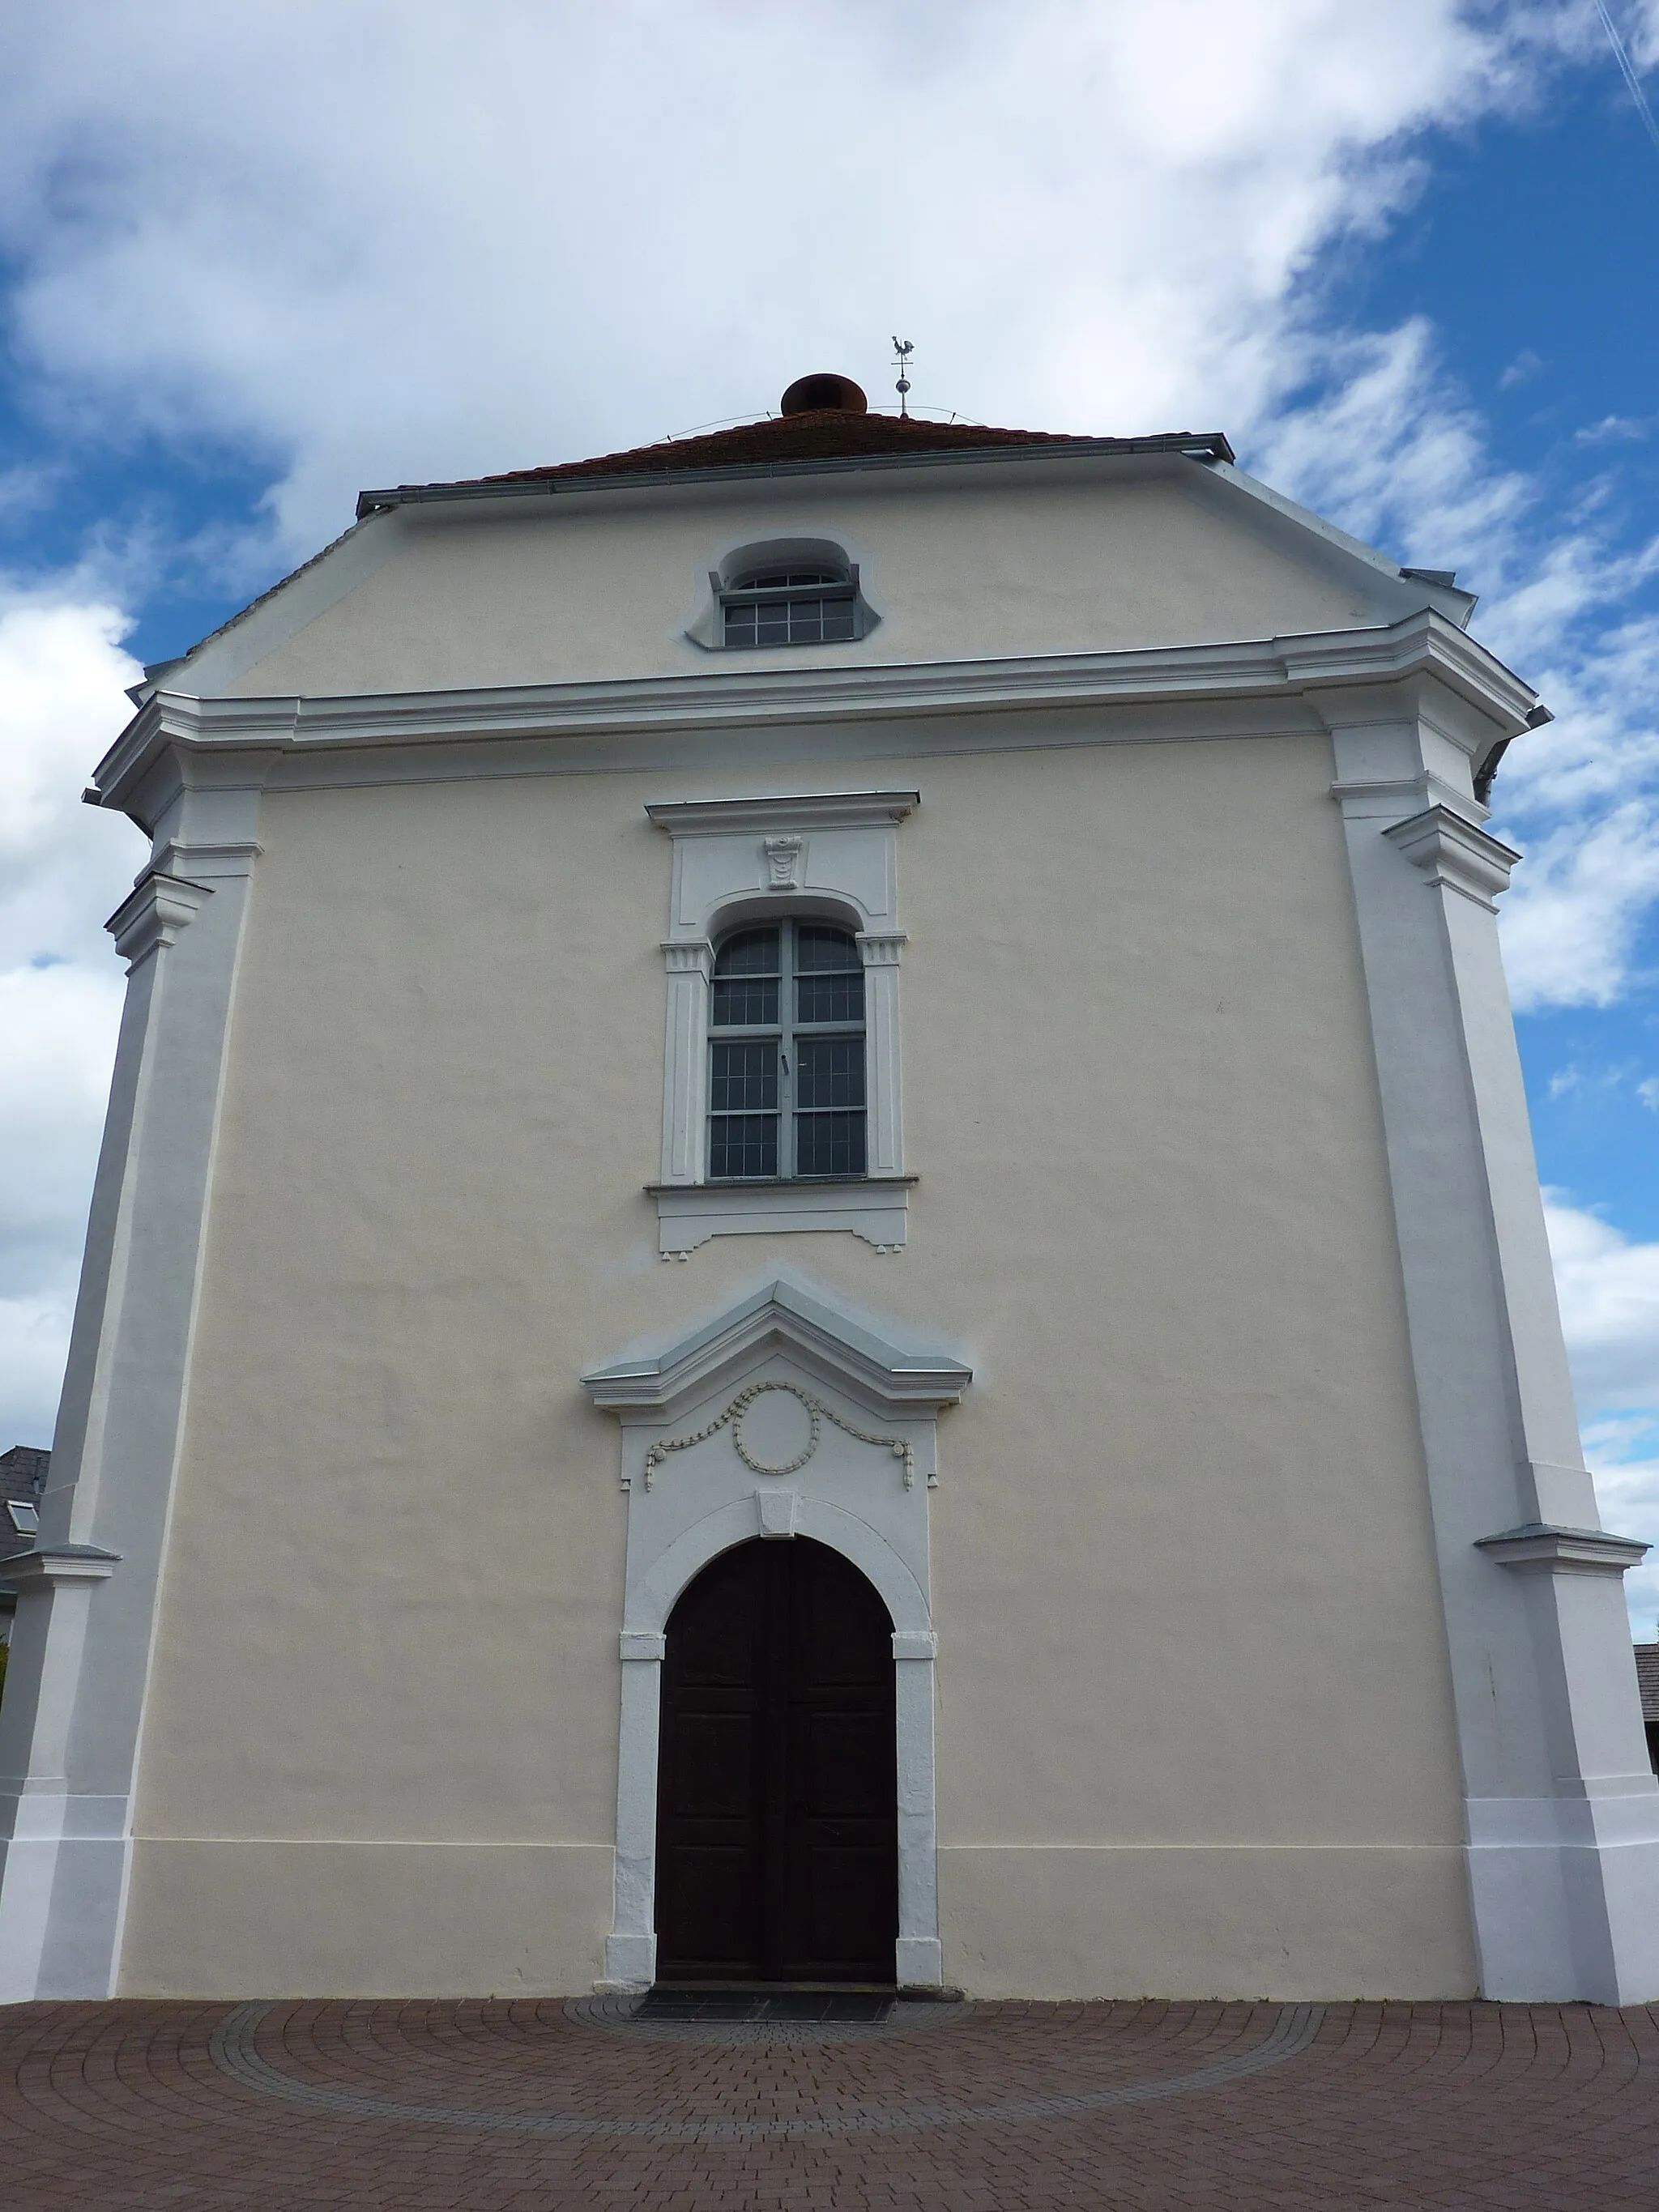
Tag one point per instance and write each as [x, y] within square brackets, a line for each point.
[787, 1094]
[789, 606]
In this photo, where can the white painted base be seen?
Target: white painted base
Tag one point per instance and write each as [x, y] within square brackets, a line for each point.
[1563, 1892]
[630, 1963]
[61, 1901]
[919, 1964]
[26, 1867]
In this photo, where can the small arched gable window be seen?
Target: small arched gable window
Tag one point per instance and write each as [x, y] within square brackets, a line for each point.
[803, 591]
[785, 1046]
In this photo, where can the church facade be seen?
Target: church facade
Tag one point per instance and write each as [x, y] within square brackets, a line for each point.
[818, 1259]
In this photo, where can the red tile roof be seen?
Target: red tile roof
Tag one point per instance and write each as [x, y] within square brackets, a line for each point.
[828, 434]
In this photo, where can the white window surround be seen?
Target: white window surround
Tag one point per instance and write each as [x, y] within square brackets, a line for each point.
[697, 1486]
[828, 854]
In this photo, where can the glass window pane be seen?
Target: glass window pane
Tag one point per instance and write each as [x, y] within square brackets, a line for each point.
[742, 1145]
[817, 948]
[745, 1002]
[837, 619]
[830, 998]
[745, 989]
[740, 625]
[778, 579]
[743, 1079]
[830, 1072]
[750, 952]
[828, 1143]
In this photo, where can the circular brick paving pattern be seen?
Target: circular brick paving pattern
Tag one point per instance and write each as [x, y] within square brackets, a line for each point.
[494, 2106]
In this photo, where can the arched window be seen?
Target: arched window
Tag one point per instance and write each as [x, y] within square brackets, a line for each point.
[813, 605]
[787, 590]
[786, 1073]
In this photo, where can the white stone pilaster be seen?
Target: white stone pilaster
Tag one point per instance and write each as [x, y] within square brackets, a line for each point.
[1562, 1810]
[885, 1132]
[919, 1956]
[685, 1060]
[73, 1719]
[631, 1948]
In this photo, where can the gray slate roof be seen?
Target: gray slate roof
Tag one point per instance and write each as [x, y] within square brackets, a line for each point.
[1647, 1677]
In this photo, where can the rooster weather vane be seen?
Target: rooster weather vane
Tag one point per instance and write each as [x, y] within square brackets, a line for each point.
[902, 349]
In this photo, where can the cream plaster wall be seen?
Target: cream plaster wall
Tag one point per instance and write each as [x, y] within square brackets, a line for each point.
[533, 592]
[1185, 1601]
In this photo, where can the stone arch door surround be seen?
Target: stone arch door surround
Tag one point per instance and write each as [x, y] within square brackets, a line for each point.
[784, 1416]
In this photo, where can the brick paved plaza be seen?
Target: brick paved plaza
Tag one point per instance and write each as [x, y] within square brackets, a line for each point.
[432, 2107]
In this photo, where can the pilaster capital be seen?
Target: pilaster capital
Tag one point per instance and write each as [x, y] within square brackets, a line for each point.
[916, 1644]
[1453, 851]
[695, 958]
[153, 913]
[881, 948]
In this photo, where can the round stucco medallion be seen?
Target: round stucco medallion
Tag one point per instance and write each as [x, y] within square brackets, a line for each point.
[777, 1431]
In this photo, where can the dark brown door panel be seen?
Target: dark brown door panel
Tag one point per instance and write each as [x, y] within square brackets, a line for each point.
[777, 1844]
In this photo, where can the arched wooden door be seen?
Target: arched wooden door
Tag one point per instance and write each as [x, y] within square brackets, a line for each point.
[777, 1824]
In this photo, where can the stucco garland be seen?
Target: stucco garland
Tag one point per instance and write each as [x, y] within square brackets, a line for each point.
[817, 1412]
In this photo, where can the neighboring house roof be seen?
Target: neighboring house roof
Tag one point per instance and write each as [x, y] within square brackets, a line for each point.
[22, 1477]
[1647, 1679]
[798, 440]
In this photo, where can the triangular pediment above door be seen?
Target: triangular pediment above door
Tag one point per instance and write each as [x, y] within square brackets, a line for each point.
[813, 1329]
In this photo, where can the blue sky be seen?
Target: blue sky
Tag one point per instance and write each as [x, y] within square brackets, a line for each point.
[1532, 250]
[1402, 251]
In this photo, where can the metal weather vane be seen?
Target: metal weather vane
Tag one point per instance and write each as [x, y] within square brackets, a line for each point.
[902, 349]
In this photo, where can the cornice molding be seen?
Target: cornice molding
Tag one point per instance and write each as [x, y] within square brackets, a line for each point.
[193, 858]
[841, 1347]
[1454, 851]
[58, 1563]
[812, 810]
[1540, 1545]
[153, 913]
[1425, 646]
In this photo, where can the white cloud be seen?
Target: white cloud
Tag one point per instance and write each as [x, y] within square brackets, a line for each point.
[62, 867]
[1570, 922]
[1609, 1292]
[1521, 370]
[1394, 451]
[1623, 1454]
[379, 239]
